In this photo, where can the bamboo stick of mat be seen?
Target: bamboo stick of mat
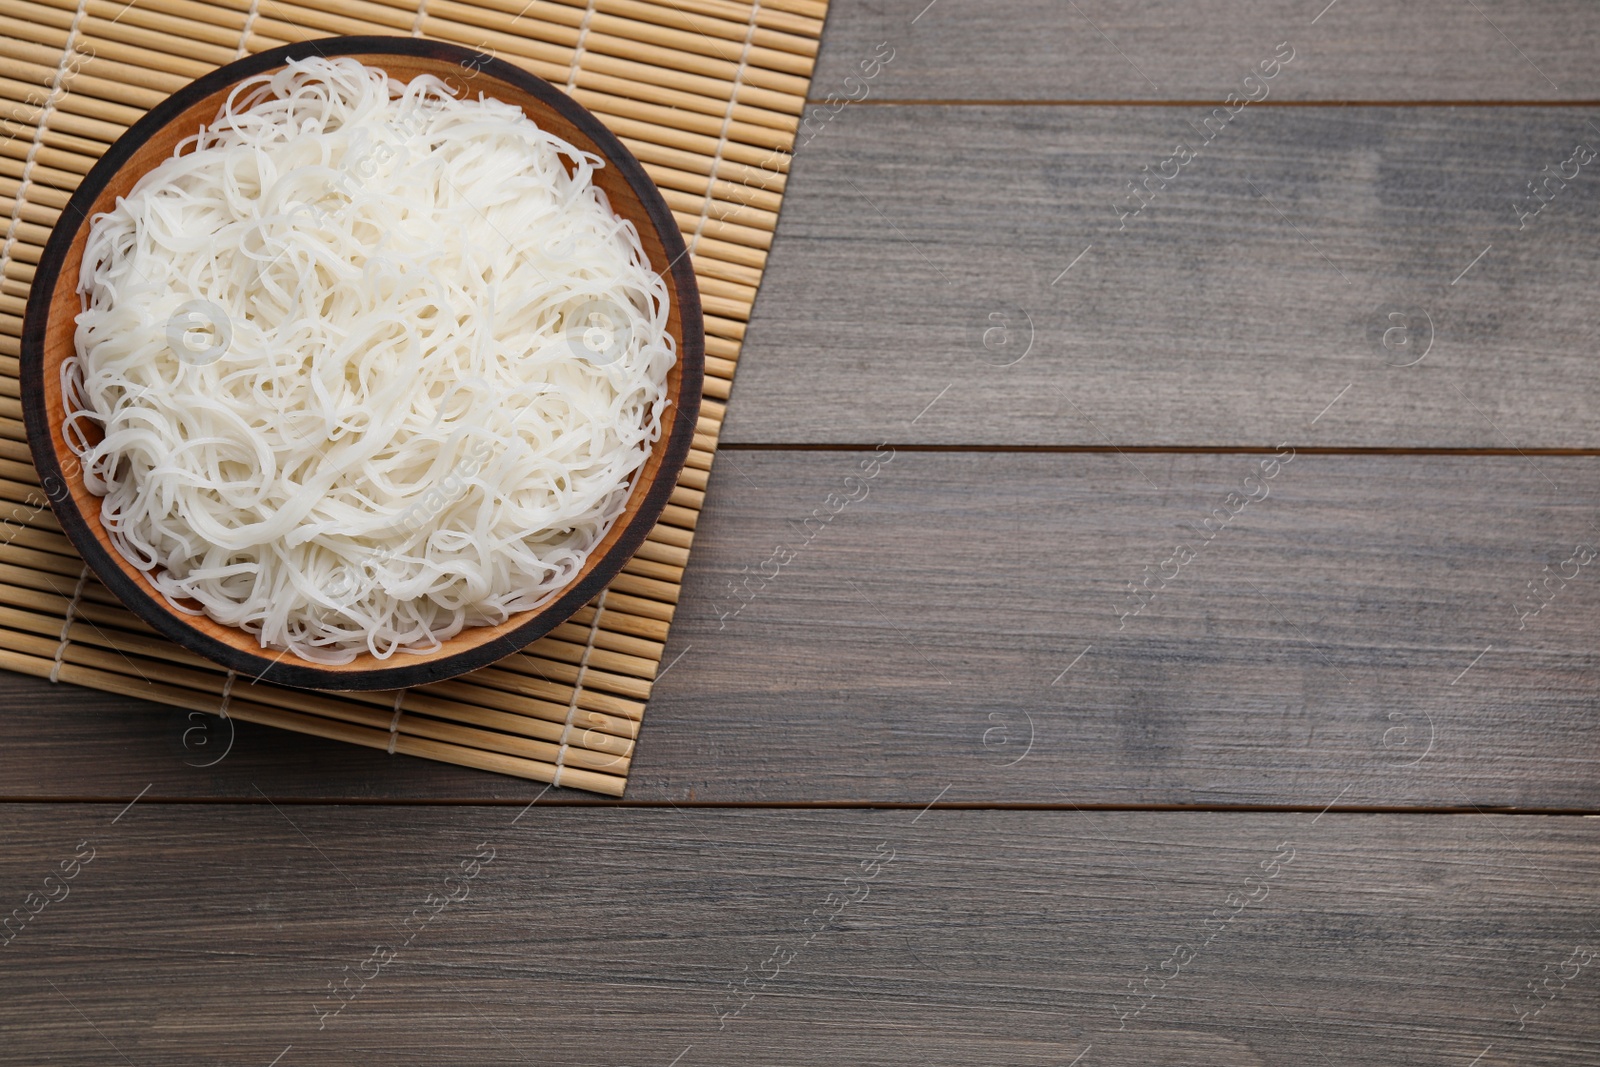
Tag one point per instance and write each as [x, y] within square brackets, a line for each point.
[707, 94]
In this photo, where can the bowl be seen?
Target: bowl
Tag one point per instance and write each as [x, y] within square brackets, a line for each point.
[53, 305]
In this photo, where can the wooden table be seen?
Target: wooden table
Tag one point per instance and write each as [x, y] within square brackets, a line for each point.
[1206, 672]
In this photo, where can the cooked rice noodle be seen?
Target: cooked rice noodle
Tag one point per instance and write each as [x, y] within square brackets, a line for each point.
[366, 364]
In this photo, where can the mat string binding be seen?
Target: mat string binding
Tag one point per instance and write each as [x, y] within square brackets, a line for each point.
[394, 723]
[727, 121]
[422, 13]
[244, 31]
[227, 693]
[46, 109]
[577, 49]
[577, 686]
[66, 622]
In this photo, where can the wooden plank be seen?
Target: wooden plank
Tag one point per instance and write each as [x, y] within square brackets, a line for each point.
[1331, 638]
[67, 741]
[1172, 50]
[203, 934]
[1333, 635]
[1247, 295]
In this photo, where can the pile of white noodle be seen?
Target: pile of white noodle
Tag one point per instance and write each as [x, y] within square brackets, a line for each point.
[370, 365]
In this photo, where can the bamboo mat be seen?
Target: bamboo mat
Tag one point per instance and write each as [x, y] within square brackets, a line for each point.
[706, 93]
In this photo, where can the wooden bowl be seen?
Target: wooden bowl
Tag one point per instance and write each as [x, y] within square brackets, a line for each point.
[53, 306]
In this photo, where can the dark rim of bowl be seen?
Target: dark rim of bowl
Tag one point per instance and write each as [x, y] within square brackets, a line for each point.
[301, 674]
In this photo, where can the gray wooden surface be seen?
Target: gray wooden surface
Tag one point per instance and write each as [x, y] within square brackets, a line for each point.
[951, 671]
[1093, 50]
[1230, 311]
[212, 933]
[1326, 638]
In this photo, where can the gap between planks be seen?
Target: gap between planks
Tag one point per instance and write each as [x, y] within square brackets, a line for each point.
[1182, 450]
[1090, 102]
[588, 801]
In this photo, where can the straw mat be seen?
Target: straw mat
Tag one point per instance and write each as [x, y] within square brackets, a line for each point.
[706, 93]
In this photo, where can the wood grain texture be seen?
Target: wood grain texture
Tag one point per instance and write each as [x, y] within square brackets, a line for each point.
[1324, 641]
[1248, 295]
[1171, 50]
[211, 934]
[950, 630]
[1318, 643]
[68, 741]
